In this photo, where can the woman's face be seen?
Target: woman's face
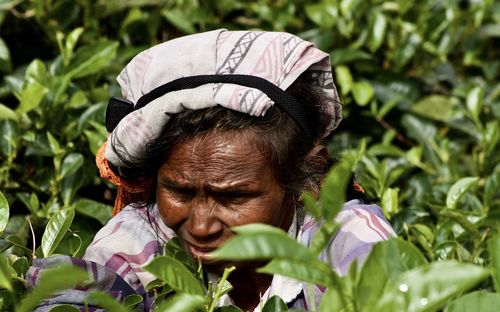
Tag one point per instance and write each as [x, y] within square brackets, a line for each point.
[214, 182]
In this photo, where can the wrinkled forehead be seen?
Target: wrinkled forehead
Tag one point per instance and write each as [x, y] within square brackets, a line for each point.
[218, 157]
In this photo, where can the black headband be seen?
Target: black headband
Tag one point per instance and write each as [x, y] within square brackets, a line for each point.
[119, 108]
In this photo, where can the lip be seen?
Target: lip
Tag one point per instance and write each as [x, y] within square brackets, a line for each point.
[200, 252]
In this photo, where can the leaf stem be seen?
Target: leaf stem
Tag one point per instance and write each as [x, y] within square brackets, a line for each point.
[220, 286]
[33, 256]
[401, 138]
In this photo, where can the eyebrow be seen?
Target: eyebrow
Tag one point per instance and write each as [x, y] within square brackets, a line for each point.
[167, 182]
[236, 188]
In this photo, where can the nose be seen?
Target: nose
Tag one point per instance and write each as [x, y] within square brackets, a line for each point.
[204, 224]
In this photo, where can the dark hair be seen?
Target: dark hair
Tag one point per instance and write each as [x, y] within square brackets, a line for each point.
[276, 134]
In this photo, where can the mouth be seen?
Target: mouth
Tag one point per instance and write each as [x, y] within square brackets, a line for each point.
[202, 253]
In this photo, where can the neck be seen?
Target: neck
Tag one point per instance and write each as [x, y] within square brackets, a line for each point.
[248, 286]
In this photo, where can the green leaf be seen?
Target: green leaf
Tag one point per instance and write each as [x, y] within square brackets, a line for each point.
[64, 308]
[332, 194]
[9, 138]
[387, 107]
[390, 201]
[436, 107]
[425, 231]
[50, 282]
[332, 301]
[315, 272]
[378, 29]
[363, 92]
[30, 201]
[69, 187]
[480, 301]
[494, 250]
[21, 265]
[259, 241]
[178, 18]
[175, 274]
[348, 55]
[18, 242]
[385, 150]
[311, 205]
[458, 189]
[174, 249]
[344, 79]
[429, 287]
[422, 131]
[459, 217]
[31, 96]
[96, 138]
[54, 145]
[78, 100]
[93, 209]
[36, 71]
[275, 304]
[106, 301]
[71, 163]
[475, 102]
[8, 113]
[91, 59]
[71, 41]
[386, 262]
[5, 60]
[182, 303]
[4, 212]
[322, 14]
[491, 187]
[4, 274]
[55, 230]
[324, 236]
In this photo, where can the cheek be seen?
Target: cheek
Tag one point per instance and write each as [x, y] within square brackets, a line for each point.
[269, 210]
[172, 212]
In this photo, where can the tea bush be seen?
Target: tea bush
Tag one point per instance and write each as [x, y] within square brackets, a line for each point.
[421, 133]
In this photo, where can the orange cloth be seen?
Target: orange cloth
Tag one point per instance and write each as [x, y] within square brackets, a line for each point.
[128, 191]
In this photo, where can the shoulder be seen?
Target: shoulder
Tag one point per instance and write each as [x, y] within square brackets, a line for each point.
[364, 221]
[129, 241]
[361, 226]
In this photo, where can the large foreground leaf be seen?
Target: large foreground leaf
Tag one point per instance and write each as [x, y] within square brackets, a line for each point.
[260, 241]
[51, 281]
[175, 274]
[4, 273]
[314, 272]
[481, 301]
[106, 301]
[429, 287]
[386, 262]
[494, 249]
[182, 303]
[275, 304]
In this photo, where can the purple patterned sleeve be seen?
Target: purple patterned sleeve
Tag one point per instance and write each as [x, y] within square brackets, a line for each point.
[102, 279]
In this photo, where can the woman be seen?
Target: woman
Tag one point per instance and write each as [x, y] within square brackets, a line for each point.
[207, 139]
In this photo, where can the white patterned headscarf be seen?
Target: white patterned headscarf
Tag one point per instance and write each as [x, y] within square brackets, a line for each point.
[277, 57]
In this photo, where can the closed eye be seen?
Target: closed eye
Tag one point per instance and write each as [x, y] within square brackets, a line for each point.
[178, 191]
[236, 196]
[181, 193]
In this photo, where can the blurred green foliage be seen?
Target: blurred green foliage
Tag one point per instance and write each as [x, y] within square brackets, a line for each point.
[418, 80]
